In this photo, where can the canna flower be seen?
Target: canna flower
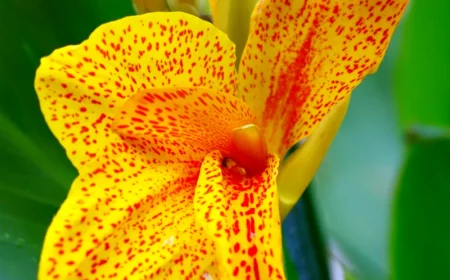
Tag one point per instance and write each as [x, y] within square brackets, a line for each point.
[177, 153]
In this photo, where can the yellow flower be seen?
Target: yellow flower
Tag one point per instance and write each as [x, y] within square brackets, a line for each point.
[158, 123]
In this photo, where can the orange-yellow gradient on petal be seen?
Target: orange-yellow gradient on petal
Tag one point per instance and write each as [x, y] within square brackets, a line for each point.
[81, 88]
[139, 209]
[190, 122]
[131, 212]
[241, 215]
[137, 107]
[303, 57]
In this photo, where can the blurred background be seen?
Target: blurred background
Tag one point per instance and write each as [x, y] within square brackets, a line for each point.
[377, 209]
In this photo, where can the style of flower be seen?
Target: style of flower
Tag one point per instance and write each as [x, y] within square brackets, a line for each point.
[174, 178]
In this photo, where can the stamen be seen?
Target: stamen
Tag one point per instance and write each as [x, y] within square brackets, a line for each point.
[231, 164]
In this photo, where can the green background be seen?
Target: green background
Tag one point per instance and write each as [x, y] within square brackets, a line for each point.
[382, 191]
[35, 174]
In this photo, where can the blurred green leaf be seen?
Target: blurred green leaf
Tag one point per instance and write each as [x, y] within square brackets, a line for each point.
[422, 70]
[31, 189]
[353, 187]
[35, 174]
[421, 228]
[23, 221]
[349, 275]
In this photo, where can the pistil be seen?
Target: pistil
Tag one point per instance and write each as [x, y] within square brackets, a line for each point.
[250, 148]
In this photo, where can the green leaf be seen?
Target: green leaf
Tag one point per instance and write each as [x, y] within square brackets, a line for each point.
[35, 174]
[354, 184]
[421, 228]
[422, 73]
[23, 221]
[349, 275]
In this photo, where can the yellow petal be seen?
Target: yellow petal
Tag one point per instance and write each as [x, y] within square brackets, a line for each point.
[187, 123]
[233, 18]
[130, 213]
[81, 88]
[298, 169]
[240, 213]
[128, 218]
[303, 57]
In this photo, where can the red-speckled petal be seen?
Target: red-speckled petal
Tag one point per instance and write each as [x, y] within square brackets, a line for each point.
[304, 56]
[188, 122]
[241, 215]
[80, 88]
[128, 218]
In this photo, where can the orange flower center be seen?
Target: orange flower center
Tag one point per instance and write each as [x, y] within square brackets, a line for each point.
[250, 149]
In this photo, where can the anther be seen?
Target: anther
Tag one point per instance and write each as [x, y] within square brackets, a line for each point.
[231, 164]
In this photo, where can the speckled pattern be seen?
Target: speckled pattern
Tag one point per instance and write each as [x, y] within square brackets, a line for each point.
[241, 216]
[303, 57]
[145, 109]
[191, 121]
[81, 88]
